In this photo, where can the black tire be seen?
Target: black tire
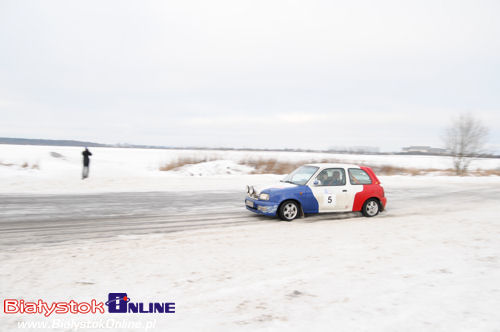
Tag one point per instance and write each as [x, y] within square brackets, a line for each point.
[289, 210]
[371, 208]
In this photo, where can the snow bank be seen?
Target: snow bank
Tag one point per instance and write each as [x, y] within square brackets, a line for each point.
[211, 168]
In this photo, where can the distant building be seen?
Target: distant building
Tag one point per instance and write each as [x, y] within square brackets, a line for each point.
[364, 149]
[424, 149]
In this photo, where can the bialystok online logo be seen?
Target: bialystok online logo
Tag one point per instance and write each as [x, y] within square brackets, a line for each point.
[117, 303]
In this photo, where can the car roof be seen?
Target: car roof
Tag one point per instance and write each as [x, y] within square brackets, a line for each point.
[332, 165]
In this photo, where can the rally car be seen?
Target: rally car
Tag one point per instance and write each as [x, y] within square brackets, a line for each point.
[318, 188]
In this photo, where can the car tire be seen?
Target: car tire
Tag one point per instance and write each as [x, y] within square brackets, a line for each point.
[371, 208]
[289, 210]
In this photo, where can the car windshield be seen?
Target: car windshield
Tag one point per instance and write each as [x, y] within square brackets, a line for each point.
[301, 175]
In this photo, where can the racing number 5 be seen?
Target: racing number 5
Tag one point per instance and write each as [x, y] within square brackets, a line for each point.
[330, 200]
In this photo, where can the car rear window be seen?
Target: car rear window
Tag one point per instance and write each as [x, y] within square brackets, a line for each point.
[358, 176]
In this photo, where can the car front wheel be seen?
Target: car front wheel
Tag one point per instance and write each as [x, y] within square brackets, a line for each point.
[289, 210]
[371, 208]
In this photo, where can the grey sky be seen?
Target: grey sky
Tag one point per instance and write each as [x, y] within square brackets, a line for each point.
[305, 74]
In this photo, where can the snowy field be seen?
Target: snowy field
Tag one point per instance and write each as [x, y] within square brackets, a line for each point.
[430, 262]
[58, 169]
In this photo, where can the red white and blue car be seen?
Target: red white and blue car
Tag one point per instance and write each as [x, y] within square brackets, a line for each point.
[318, 188]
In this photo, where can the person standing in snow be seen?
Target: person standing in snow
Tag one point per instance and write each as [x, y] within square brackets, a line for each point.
[86, 161]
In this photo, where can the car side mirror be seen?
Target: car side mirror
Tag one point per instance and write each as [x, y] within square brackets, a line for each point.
[316, 182]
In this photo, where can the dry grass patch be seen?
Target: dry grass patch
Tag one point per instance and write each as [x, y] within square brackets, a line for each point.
[179, 162]
[274, 166]
[24, 165]
[394, 170]
[270, 166]
[487, 172]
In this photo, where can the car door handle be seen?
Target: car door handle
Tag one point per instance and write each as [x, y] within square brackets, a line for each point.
[344, 191]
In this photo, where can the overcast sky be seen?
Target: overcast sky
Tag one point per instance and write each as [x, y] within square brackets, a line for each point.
[271, 74]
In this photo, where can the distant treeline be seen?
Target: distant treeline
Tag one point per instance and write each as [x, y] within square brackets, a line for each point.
[50, 142]
[53, 142]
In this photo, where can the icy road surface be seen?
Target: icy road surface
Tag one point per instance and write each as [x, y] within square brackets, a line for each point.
[56, 218]
[32, 219]
[50, 219]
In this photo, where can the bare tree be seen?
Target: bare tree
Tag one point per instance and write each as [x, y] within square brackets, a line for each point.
[465, 139]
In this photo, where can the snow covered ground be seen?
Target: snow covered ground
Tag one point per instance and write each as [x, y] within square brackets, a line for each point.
[430, 262]
[58, 169]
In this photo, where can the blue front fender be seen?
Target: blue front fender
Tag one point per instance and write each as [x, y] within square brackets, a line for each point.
[301, 194]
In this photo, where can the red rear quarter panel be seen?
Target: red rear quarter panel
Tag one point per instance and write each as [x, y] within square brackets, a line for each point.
[369, 191]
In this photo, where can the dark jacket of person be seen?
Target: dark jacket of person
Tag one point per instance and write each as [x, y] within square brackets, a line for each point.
[86, 160]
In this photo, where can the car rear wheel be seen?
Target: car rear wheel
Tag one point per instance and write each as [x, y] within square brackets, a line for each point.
[289, 210]
[371, 208]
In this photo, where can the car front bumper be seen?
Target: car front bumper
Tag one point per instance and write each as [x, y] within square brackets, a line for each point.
[261, 207]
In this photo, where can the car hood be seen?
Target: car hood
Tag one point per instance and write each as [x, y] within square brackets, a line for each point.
[273, 187]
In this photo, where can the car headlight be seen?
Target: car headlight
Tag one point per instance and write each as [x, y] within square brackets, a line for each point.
[264, 197]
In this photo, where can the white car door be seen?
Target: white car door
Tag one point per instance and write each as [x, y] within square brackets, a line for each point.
[330, 190]
[355, 180]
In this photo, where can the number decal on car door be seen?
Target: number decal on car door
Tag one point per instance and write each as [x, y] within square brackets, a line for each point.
[331, 199]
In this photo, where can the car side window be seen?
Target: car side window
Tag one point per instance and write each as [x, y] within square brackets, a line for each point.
[358, 176]
[331, 177]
